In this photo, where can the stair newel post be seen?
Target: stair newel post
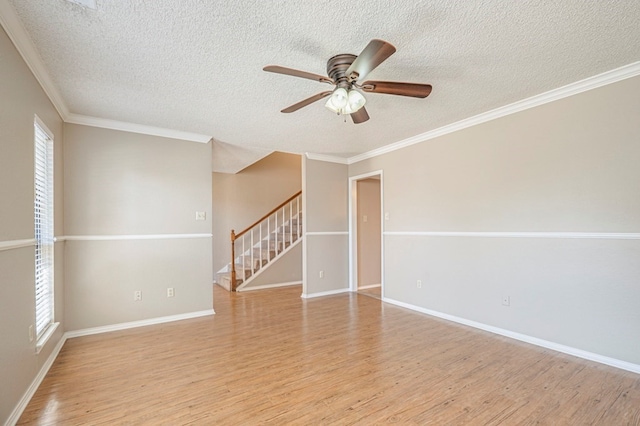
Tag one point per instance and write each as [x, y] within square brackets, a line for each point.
[233, 260]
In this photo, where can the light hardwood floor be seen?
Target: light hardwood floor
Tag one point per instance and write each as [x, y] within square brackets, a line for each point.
[271, 357]
[373, 292]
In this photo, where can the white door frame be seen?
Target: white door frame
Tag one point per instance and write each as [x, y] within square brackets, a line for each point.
[353, 229]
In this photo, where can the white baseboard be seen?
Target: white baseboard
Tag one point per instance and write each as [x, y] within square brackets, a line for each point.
[613, 362]
[364, 287]
[135, 324]
[325, 293]
[31, 390]
[266, 286]
[24, 401]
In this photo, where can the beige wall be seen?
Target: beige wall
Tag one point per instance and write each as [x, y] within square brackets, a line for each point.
[326, 241]
[242, 198]
[568, 166]
[21, 97]
[369, 233]
[127, 184]
[286, 270]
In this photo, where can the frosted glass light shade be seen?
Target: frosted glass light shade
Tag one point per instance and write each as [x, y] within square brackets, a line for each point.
[331, 107]
[339, 97]
[343, 102]
[355, 101]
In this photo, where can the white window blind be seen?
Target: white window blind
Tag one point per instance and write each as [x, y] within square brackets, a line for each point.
[43, 217]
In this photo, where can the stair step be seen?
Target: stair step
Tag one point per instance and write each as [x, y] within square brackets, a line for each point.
[266, 241]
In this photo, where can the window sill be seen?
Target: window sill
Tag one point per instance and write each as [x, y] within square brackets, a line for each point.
[46, 336]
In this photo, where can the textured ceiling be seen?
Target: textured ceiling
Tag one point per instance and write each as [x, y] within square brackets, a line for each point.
[196, 65]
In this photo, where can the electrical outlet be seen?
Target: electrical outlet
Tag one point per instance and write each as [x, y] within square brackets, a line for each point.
[201, 215]
[137, 295]
[506, 300]
[31, 335]
[321, 274]
[170, 292]
[419, 283]
[386, 216]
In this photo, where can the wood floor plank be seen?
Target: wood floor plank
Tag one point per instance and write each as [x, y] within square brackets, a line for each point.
[270, 357]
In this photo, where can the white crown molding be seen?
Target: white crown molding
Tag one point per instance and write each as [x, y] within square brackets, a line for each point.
[590, 83]
[10, 245]
[327, 158]
[624, 365]
[579, 235]
[132, 237]
[21, 40]
[136, 128]
[18, 35]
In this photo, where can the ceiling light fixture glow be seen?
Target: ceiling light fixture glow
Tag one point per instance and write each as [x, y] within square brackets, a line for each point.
[342, 102]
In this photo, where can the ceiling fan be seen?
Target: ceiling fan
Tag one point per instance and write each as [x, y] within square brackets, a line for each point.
[345, 71]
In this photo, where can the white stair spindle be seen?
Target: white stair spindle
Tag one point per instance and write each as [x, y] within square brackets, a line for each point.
[253, 263]
[291, 221]
[260, 244]
[269, 239]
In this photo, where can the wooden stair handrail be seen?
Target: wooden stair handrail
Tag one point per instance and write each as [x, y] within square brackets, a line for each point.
[235, 236]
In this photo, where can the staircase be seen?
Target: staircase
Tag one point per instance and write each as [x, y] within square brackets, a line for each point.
[264, 242]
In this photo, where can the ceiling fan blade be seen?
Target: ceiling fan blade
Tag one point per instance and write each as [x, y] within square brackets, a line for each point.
[376, 52]
[297, 73]
[360, 116]
[306, 102]
[414, 90]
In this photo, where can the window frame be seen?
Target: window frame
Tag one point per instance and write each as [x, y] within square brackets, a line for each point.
[43, 205]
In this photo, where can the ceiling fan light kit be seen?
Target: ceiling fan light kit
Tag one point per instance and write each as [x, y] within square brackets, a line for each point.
[344, 71]
[342, 102]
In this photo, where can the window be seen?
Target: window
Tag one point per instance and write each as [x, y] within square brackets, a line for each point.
[43, 220]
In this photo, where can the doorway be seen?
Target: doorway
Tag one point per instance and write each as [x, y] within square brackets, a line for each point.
[365, 229]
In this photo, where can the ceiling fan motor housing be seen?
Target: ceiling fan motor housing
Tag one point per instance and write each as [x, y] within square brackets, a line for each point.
[337, 67]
